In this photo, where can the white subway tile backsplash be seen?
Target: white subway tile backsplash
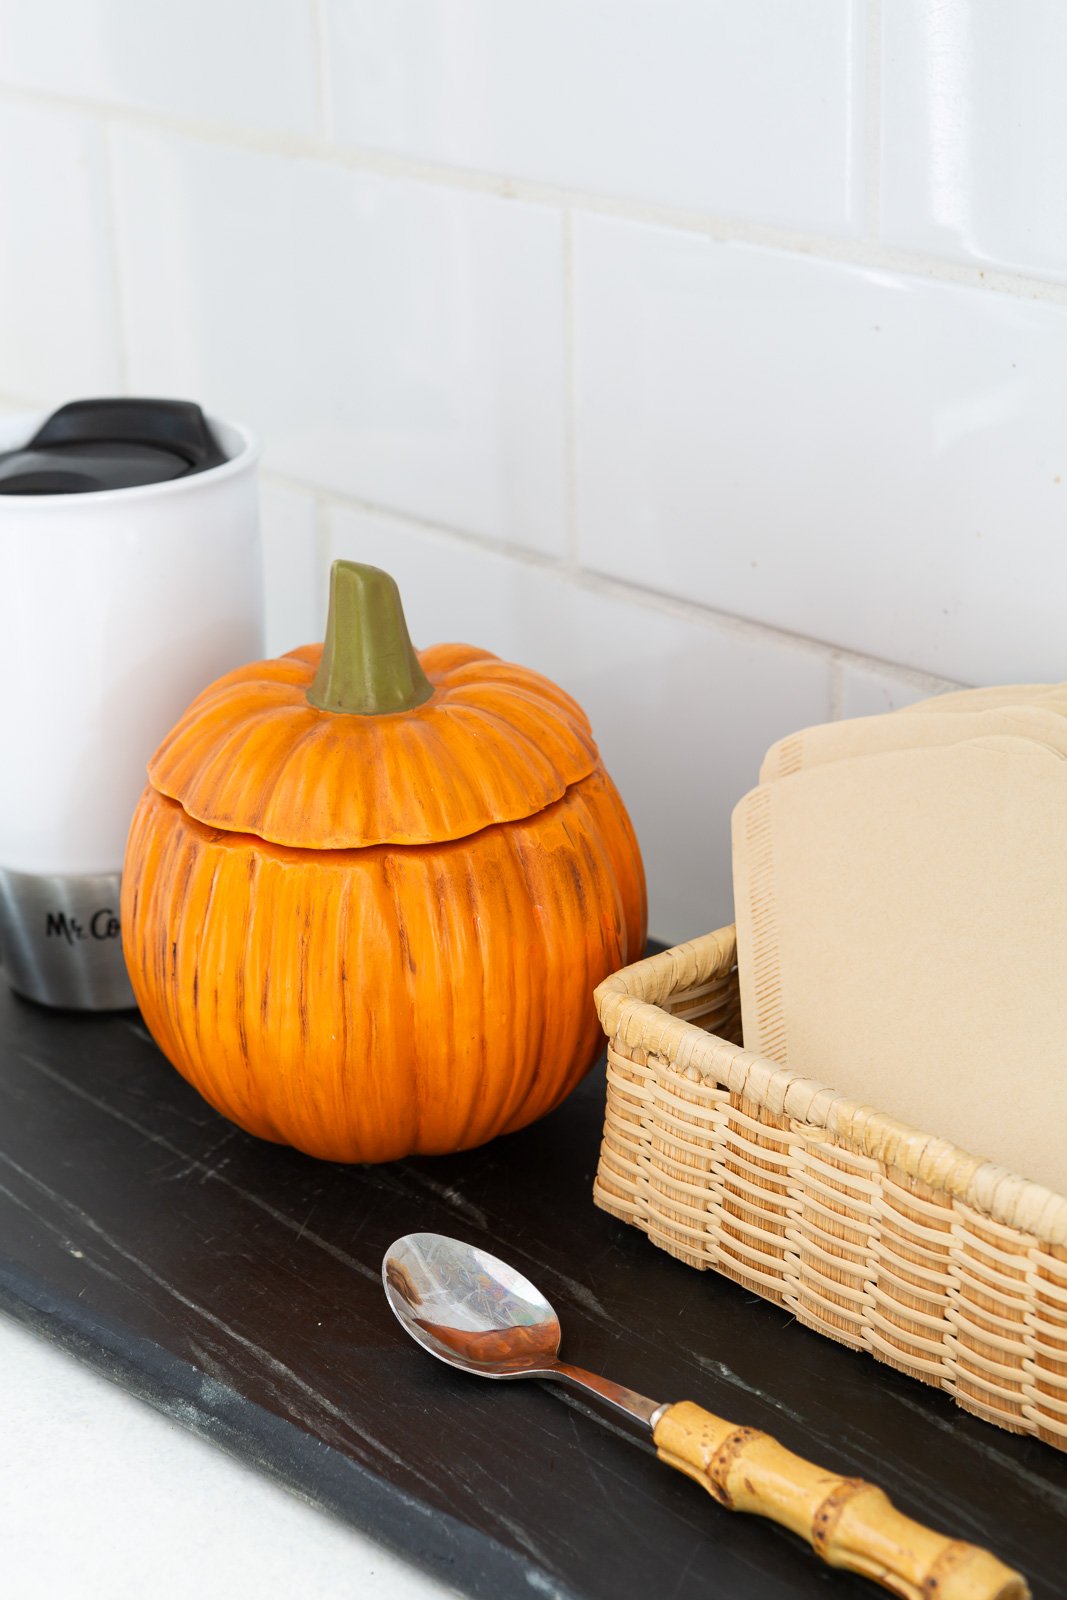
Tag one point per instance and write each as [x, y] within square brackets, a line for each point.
[58, 316]
[974, 132]
[246, 62]
[860, 456]
[294, 583]
[871, 459]
[398, 342]
[869, 691]
[748, 110]
[683, 712]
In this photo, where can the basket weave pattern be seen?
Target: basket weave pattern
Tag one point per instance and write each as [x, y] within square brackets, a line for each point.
[882, 1237]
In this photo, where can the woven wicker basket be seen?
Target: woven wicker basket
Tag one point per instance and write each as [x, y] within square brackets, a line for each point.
[887, 1239]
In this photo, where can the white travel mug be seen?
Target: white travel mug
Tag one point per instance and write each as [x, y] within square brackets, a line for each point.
[129, 579]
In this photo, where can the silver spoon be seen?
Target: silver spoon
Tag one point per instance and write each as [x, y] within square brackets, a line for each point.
[476, 1313]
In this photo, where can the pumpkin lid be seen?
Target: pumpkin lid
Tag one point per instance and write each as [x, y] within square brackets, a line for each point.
[365, 741]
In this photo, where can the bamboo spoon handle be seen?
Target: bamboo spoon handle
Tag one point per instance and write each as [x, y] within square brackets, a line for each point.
[848, 1522]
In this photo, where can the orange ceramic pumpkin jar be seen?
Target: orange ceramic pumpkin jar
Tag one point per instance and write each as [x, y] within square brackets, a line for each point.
[368, 893]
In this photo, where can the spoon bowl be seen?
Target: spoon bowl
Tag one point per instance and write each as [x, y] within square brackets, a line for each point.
[469, 1309]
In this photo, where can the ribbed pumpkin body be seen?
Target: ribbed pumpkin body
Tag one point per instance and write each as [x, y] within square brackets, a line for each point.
[376, 935]
[367, 1004]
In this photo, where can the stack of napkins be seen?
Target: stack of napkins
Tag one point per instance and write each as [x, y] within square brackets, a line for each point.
[900, 890]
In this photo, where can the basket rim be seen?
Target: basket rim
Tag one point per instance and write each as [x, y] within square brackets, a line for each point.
[629, 1004]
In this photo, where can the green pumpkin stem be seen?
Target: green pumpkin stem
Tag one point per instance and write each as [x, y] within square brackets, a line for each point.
[369, 666]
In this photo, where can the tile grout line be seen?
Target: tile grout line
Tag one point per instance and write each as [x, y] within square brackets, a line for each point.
[323, 91]
[728, 622]
[114, 237]
[570, 391]
[337, 499]
[612, 588]
[322, 555]
[872, 174]
[845, 250]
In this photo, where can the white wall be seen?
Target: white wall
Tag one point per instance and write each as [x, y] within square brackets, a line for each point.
[710, 356]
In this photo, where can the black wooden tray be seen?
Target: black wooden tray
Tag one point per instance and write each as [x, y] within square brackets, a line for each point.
[235, 1286]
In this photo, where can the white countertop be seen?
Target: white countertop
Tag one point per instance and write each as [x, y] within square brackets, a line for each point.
[104, 1499]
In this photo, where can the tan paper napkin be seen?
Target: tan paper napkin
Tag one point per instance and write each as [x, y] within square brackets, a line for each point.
[840, 741]
[902, 936]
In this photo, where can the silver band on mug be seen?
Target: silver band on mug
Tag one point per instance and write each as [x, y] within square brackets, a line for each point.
[60, 940]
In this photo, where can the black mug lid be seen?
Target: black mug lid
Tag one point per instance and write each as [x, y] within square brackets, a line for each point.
[91, 445]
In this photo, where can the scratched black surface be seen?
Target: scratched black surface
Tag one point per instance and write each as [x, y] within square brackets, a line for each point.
[235, 1286]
